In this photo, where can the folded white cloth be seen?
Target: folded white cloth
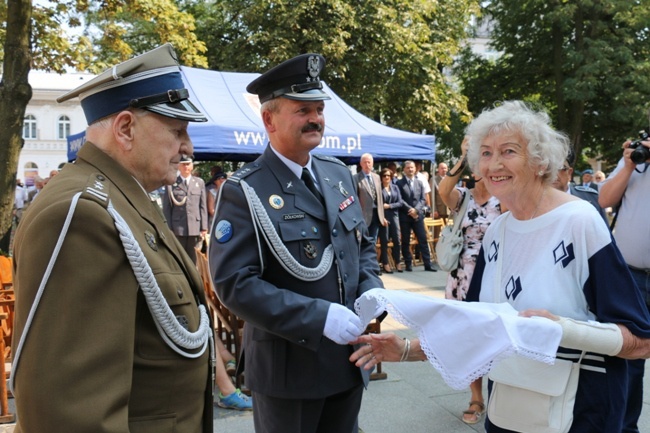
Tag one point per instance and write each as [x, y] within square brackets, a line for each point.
[463, 340]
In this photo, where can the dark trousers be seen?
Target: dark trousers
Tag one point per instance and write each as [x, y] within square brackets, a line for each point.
[407, 224]
[189, 244]
[636, 368]
[387, 233]
[373, 228]
[337, 413]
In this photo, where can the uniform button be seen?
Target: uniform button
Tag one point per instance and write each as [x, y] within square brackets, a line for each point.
[303, 233]
[302, 341]
[345, 278]
[100, 177]
[354, 220]
[180, 293]
[335, 232]
[342, 255]
[315, 230]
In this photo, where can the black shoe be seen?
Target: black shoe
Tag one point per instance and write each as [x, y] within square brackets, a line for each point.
[430, 269]
[400, 270]
[408, 268]
[387, 271]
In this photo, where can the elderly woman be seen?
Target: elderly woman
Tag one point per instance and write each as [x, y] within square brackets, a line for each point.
[482, 210]
[555, 259]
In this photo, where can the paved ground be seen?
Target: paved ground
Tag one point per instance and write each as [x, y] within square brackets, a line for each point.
[413, 398]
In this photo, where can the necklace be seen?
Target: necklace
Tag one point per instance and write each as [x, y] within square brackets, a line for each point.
[538, 204]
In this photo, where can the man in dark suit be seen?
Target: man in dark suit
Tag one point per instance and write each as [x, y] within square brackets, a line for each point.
[185, 208]
[290, 253]
[368, 189]
[411, 217]
[563, 183]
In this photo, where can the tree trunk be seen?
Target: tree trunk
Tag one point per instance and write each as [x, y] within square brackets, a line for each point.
[15, 93]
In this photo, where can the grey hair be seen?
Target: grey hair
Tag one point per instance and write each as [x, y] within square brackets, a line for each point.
[107, 122]
[547, 148]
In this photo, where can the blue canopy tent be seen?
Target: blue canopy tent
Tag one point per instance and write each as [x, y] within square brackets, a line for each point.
[235, 132]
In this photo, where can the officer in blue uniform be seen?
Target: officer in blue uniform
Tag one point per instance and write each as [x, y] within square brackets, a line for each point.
[564, 184]
[289, 254]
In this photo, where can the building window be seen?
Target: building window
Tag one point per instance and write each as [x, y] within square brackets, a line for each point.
[29, 127]
[63, 127]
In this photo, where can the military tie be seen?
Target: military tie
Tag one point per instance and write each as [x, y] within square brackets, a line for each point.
[309, 183]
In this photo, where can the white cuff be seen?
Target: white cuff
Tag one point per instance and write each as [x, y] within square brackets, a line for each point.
[605, 338]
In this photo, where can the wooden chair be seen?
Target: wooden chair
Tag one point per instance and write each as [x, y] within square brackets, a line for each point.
[227, 326]
[433, 227]
[6, 327]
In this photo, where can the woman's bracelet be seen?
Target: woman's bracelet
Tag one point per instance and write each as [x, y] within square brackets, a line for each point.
[407, 349]
[463, 163]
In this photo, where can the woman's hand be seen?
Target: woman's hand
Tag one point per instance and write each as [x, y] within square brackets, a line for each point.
[539, 313]
[377, 348]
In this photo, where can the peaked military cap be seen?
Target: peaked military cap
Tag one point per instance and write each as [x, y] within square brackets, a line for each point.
[185, 159]
[297, 78]
[151, 81]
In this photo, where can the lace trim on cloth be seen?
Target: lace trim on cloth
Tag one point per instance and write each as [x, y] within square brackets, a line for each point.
[464, 340]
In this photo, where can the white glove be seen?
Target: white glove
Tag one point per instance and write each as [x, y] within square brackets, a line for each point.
[342, 325]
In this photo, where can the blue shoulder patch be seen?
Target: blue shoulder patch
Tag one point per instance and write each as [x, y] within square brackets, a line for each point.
[223, 231]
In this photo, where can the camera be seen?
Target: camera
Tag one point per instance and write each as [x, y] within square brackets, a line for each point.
[640, 153]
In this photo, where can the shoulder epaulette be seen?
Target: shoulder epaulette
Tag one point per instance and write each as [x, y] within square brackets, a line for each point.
[244, 171]
[329, 158]
[96, 189]
[585, 189]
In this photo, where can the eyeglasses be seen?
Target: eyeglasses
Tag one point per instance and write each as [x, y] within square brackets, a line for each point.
[385, 175]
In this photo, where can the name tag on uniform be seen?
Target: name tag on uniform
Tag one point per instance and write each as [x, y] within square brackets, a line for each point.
[293, 216]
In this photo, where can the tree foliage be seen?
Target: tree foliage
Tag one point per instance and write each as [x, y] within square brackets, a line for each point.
[587, 61]
[386, 58]
[78, 34]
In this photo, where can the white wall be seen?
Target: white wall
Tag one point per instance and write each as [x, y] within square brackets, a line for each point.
[47, 151]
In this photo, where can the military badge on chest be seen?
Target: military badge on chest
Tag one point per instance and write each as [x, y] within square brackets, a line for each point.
[310, 250]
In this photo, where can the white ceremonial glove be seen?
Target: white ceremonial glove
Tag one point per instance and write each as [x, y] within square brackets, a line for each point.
[342, 325]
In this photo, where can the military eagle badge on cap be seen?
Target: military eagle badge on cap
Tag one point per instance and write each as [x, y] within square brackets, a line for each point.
[313, 66]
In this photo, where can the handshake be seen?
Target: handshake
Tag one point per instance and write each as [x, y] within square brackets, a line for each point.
[343, 326]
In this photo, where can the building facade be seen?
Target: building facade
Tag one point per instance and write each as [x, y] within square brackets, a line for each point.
[48, 124]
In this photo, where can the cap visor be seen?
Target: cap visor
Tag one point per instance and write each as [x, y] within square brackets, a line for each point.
[309, 95]
[183, 110]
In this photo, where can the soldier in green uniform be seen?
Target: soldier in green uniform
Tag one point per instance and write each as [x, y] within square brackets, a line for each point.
[111, 332]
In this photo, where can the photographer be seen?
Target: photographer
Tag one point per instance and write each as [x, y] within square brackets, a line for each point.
[627, 187]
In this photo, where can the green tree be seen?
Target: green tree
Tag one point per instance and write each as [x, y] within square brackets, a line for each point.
[587, 61]
[15, 93]
[386, 58]
[38, 37]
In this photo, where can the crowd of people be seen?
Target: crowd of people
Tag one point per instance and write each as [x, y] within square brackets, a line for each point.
[291, 243]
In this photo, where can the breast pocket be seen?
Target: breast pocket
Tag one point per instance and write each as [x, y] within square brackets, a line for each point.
[179, 298]
[303, 239]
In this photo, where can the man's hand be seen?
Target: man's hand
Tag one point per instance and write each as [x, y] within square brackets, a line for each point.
[341, 325]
